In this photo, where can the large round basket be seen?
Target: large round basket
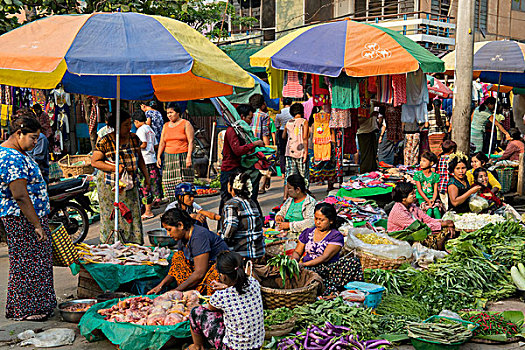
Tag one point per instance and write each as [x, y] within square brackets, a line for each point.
[76, 165]
[370, 261]
[290, 298]
[278, 330]
[277, 247]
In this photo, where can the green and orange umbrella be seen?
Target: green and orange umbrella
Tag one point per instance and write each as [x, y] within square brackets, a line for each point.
[359, 49]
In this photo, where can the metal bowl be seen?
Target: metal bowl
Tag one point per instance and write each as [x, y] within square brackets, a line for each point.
[110, 296]
[159, 238]
[74, 316]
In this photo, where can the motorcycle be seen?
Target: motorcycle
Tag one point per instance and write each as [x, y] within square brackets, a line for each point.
[68, 205]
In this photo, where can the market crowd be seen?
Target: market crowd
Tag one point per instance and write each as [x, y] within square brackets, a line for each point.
[156, 163]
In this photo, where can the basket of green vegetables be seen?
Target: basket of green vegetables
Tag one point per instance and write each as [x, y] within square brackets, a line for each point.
[440, 333]
[278, 322]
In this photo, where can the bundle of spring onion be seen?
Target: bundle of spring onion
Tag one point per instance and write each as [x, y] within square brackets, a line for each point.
[329, 337]
[444, 333]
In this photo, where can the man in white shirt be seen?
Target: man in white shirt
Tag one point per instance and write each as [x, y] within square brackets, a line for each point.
[148, 139]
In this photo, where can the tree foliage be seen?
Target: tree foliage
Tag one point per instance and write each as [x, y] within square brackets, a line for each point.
[204, 16]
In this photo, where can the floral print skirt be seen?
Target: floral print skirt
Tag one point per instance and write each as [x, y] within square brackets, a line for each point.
[155, 194]
[209, 324]
[30, 288]
[181, 269]
[337, 274]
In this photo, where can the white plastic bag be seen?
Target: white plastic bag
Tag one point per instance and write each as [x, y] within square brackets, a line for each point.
[477, 204]
[50, 338]
[424, 256]
[397, 250]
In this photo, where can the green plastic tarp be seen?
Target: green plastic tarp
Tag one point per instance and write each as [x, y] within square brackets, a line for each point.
[110, 276]
[129, 336]
[364, 192]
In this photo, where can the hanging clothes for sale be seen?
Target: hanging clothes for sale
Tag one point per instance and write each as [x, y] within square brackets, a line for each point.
[350, 134]
[6, 95]
[22, 98]
[39, 96]
[365, 97]
[61, 97]
[372, 85]
[385, 91]
[415, 109]
[320, 91]
[308, 108]
[345, 92]
[293, 88]
[322, 137]
[341, 118]
[399, 85]
[276, 81]
[394, 128]
[94, 115]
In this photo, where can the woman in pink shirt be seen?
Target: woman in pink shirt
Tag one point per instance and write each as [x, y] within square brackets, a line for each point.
[515, 147]
[405, 212]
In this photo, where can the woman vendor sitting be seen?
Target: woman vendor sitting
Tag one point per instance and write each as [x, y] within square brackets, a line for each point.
[193, 265]
[321, 246]
[515, 147]
[405, 212]
[297, 212]
[480, 160]
[459, 190]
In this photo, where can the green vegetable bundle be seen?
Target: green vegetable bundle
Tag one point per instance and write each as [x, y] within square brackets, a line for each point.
[416, 232]
[361, 321]
[444, 333]
[288, 267]
[277, 316]
[396, 305]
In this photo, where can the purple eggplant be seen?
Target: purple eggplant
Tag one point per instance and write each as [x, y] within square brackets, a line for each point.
[372, 344]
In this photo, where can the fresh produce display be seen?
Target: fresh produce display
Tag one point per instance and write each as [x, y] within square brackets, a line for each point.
[277, 316]
[471, 221]
[440, 332]
[397, 305]
[518, 276]
[492, 324]
[360, 321]
[123, 254]
[205, 191]
[216, 183]
[165, 310]
[396, 325]
[372, 238]
[198, 182]
[415, 232]
[465, 279]
[80, 307]
[329, 337]
[287, 266]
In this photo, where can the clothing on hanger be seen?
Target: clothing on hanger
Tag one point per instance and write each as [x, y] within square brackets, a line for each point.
[345, 92]
[399, 85]
[322, 136]
[292, 88]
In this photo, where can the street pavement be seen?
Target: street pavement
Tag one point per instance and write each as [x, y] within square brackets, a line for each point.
[66, 284]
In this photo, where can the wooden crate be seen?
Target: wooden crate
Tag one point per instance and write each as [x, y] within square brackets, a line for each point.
[87, 286]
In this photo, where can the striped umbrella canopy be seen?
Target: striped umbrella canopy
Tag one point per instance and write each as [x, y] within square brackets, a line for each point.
[152, 55]
[495, 58]
[437, 89]
[360, 49]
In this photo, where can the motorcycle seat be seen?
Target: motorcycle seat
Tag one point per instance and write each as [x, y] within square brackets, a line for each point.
[64, 185]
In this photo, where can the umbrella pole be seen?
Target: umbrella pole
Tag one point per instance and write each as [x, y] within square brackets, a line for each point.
[211, 148]
[494, 117]
[117, 158]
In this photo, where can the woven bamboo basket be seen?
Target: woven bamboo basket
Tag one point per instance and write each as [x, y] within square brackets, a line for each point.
[70, 170]
[277, 247]
[290, 298]
[369, 261]
[278, 330]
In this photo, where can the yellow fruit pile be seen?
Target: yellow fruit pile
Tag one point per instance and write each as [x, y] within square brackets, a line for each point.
[372, 238]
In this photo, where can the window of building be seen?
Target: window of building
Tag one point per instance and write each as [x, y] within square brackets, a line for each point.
[518, 5]
[379, 8]
[480, 16]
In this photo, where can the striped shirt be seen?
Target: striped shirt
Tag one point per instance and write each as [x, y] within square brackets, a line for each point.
[242, 228]
[260, 124]
[442, 170]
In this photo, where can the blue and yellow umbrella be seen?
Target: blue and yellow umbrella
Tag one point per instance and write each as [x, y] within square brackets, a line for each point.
[152, 55]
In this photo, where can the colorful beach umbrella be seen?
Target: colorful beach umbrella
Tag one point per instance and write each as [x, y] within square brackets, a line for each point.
[492, 58]
[360, 49]
[118, 55]
[437, 88]
[153, 55]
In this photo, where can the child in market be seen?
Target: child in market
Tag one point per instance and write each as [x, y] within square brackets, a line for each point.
[481, 178]
[233, 318]
[185, 194]
[448, 147]
[296, 132]
[427, 185]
